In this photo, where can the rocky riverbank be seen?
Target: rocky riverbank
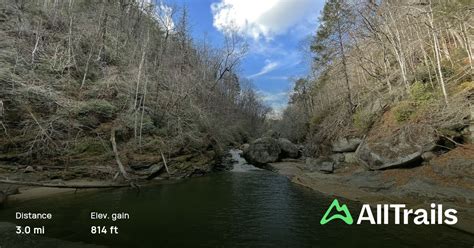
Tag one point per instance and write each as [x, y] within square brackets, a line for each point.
[417, 187]
[142, 170]
[391, 169]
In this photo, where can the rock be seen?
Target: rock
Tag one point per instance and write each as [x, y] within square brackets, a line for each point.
[327, 167]
[401, 149]
[346, 144]
[338, 159]
[427, 156]
[459, 167]
[350, 158]
[262, 151]
[154, 171]
[244, 147]
[227, 162]
[29, 169]
[288, 149]
[470, 131]
[3, 198]
[139, 166]
[320, 165]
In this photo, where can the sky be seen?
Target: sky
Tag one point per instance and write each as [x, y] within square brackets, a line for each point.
[276, 32]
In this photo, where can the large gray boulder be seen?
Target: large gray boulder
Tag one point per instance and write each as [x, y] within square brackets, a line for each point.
[401, 149]
[346, 144]
[321, 165]
[263, 151]
[288, 149]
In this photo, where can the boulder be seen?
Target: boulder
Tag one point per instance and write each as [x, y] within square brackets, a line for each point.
[320, 165]
[338, 159]
[154, 170]
[244, 147]
[350, 158]
[288, 149]
[401, 149]
[427, 156]
[346, 144]
[327, 167]
[262, 151]
[29, 169]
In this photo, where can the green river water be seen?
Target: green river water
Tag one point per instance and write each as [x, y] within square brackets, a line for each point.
[253, 208]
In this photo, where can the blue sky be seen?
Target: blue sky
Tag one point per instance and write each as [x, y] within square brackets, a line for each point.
[275, 31]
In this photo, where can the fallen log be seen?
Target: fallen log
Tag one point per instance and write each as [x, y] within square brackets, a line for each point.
[166, 166]
[70, 186]
[117, 157]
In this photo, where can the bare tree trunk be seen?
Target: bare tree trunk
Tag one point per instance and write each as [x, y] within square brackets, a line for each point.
[425, 56]
[38, 37]
[73, 186]
[143, 112]
[398, 48]
[117, 157]
[137, 89]
[350, 102]
[164, 162]
[437, 55]
[468, 48]
[86, 69]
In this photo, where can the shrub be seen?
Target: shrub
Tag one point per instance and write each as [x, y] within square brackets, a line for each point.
[421, 92]
[99, 108]
[92, 113]
[148, 124]
[362, 119]
[404, 110]
[89, 146]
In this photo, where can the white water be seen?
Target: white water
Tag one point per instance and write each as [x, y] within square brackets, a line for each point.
[240, 164]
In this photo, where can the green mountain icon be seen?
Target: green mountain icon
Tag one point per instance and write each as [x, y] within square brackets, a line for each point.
[347, 217]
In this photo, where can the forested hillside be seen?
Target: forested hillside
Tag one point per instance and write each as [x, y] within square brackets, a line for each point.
[386, 68]
[79, 75]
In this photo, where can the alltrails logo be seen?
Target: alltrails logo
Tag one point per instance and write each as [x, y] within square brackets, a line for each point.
[435, 215]
[347, 217]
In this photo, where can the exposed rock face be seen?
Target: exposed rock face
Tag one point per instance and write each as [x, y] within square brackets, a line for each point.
[262, 151]
[346, 144]
[268, 150]
[471, 125]
[320, 165]
[350, 158]
[403, 148]
[3, 198]
[288, 149]
[459, 163]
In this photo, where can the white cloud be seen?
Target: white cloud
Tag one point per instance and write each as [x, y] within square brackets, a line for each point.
[270, 66]
[277, 97]
[276, 100]
[164, 14]
[260, 18]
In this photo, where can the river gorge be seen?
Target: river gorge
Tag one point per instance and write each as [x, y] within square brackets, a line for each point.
[245, 207]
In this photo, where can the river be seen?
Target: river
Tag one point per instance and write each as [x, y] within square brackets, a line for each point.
[242, 208]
